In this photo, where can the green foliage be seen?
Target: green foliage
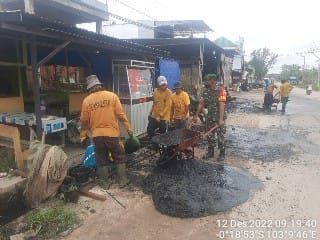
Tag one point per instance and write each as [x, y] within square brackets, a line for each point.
[307, 76]
[262, 60]
[288, 71]
[52, 221]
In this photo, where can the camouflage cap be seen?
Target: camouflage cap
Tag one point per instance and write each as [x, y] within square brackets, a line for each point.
[211, 76]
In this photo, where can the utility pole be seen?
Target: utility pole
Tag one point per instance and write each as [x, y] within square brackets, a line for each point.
[318, 74]
[318, 82]
[313, 52]
[302, 54]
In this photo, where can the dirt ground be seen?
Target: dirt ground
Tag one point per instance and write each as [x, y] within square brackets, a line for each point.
[287, 207]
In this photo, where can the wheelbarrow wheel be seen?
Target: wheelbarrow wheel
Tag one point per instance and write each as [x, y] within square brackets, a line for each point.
[166, 159]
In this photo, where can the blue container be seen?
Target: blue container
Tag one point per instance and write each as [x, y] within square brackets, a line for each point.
[90, 157]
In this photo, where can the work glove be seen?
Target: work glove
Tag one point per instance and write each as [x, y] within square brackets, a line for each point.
[83, 138]
[221, 122]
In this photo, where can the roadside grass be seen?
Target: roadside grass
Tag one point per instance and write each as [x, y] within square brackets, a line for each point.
[48, 222]
[51, 222]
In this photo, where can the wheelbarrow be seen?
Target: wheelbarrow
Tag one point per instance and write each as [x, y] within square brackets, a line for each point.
[177, 144]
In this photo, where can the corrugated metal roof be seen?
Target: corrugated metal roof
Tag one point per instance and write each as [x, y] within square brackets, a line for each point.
[72, 11]
[225, 43]
[52, 30]
[182, 46]
[186, 25]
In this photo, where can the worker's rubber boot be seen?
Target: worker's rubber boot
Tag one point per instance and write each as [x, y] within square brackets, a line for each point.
[222, 155]
[122, 175]
[283, 110]
[210, 153]
[103, 177]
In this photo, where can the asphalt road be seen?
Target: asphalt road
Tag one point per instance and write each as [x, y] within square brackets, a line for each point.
[301, 103]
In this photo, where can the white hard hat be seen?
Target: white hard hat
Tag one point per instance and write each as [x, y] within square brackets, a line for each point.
[162, 80]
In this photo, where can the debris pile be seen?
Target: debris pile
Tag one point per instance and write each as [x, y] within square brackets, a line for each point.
[192, 188]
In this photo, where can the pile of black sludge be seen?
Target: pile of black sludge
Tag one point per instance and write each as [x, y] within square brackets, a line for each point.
[193, 188]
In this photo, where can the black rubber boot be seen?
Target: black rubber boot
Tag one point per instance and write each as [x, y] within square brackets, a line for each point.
[222, 155]
[210, 153]
[103, 177]
[283, 110]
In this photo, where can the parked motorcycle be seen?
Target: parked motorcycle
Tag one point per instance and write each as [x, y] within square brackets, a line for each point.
[74, 129]
[309, 89]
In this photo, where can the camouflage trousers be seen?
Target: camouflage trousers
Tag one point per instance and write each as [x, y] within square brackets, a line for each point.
[216, 136]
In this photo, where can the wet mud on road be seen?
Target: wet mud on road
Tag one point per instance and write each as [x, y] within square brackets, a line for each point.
[264, 145]
[273, 143]
[269, 144]
[243, 106]
[193, 188]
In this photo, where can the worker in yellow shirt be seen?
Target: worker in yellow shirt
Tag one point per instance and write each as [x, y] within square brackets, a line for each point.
[101, 113]
[161, 108]
[180, 107]
[285, 90]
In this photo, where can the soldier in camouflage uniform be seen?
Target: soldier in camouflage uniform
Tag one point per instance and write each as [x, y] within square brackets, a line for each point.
[214, 98]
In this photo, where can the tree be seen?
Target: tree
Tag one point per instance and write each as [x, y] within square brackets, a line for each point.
[288, 71]
[262, 60]
[306, 76]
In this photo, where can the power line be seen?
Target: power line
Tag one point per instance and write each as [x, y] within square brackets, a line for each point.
[138, 24]
[127, 20]
[146, 15]
[134, 9]
[124, 19]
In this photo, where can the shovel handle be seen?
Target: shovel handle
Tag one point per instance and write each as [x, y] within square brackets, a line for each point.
[210, 131]
[191, 124]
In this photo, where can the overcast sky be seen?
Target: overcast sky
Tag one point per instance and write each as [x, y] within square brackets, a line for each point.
[285, 27]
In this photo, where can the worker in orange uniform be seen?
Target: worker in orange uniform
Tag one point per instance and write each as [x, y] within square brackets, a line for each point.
[161, 108]
[101, 113]
[268, 96]
[180, 107]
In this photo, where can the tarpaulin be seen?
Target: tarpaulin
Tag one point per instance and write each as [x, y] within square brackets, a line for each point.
[47, 167]
[171, 70]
